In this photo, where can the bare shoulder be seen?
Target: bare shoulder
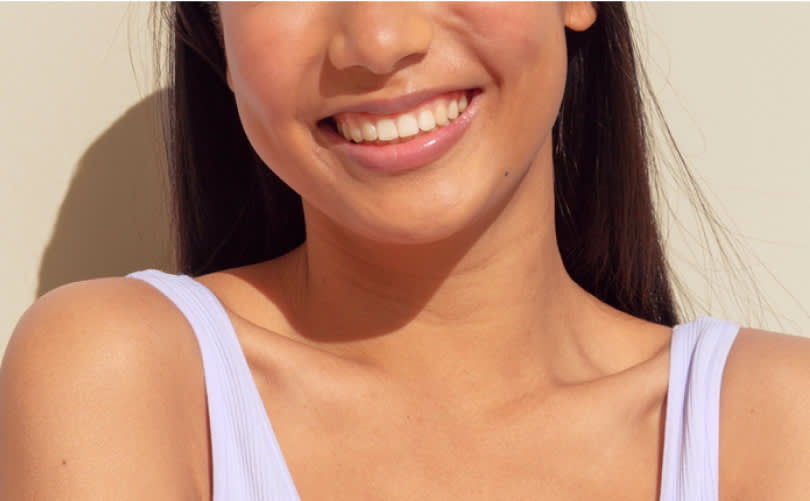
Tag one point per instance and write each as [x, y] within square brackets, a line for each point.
[765, 418]
[102, 397]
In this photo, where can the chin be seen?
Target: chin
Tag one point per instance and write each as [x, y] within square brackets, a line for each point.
[419, 224]
[413, 235]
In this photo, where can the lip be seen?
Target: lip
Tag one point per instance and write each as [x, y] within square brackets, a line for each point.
[393, 105]
[408, 154]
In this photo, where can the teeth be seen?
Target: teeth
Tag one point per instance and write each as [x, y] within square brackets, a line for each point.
[407, 126]
[357, 134]
[404, 125]
[441, 115]
[369, 131]
[426, 120]
[452, 110]
[386, 130]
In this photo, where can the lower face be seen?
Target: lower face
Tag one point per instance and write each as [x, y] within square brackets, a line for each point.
[374, 150]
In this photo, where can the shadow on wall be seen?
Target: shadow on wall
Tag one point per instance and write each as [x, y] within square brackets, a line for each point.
[115, 216]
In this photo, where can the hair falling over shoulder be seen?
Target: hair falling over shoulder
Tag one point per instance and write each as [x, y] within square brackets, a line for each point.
[231, 210]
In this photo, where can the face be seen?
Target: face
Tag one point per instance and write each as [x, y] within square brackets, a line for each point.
[444, 107]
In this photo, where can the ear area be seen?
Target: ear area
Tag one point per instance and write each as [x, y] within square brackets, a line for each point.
[579, 16]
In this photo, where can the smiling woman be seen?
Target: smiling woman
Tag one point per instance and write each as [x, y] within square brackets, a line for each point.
[420, 240]
[510, 122]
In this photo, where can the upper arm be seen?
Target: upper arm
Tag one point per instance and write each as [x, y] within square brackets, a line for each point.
[95, 398]
[765, 418]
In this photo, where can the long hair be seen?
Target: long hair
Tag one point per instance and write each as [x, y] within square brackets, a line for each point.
[231, 210]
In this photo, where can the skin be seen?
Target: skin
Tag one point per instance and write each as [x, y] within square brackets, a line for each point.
[426, 341]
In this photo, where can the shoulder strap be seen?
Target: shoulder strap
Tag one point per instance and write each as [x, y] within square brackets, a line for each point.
[698, 356]
[247, 462]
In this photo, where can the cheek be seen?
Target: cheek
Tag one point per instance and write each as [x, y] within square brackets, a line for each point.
[523, 46]
[518, 32]
[271, 63]
[525, 49]
[272, 52]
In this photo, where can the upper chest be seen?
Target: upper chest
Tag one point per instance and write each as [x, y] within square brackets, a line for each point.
[529, 464]
[345, 437]
[347, 440]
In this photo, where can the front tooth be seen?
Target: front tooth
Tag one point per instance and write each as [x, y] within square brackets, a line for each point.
[426, 120]
[440, 114]
[462, 103]
[452, 110]
[386, 130]
[369, 131]
[407, 126]
[357, 134]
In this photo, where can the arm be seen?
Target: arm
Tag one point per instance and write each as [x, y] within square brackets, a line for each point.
[98, 402]
[765, 418]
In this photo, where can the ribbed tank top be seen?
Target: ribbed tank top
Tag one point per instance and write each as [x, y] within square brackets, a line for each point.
[248, 465]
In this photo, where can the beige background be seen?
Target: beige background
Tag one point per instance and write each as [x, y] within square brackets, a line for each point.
[81, 192]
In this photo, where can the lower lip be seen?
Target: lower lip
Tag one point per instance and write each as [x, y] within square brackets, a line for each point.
[410, 154]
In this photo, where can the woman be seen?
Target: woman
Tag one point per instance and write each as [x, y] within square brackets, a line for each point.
[478, 307]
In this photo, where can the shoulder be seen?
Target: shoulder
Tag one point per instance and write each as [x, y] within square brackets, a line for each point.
[100, 379]
[765, 417]
[109, 324]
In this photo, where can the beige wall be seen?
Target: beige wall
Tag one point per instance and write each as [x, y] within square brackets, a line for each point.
[81, 190]
[79, 182]
[733, 80]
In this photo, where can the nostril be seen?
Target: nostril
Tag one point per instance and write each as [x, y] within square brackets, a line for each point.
[381, 38]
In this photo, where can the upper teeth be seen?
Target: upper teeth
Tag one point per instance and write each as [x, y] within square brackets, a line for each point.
[365, 127]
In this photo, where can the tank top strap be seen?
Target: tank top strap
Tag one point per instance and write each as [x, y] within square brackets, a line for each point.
[247, 462]
[698, 354]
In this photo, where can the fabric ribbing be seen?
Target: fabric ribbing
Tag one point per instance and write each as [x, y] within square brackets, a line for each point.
[247, 462]
[698, 355]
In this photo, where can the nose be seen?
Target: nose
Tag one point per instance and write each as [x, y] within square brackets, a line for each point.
[380, 37]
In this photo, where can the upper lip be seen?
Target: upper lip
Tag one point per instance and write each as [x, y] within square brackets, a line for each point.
[388, 105]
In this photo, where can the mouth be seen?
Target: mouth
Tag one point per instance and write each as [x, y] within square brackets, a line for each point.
[393, 128]
[404, 140]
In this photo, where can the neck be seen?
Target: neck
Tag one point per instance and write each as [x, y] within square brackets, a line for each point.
[496, 296]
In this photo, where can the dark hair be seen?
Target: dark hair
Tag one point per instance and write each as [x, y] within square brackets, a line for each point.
[231, 210]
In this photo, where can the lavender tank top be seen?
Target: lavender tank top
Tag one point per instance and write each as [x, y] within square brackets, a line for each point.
[247, 462]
